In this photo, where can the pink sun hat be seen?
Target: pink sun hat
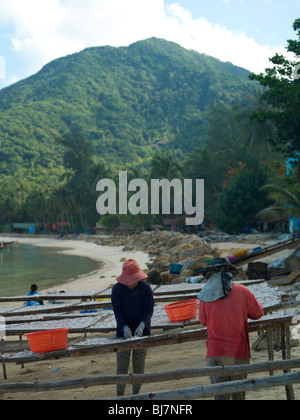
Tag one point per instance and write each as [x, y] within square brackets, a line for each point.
[131, 273]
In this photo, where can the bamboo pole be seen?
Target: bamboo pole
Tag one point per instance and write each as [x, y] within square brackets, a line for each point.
[63, 296]
[273, 249]
[38, 310]
[279, 306]
[67, 308]
[150, 377]
[93, 305]
[208, 391]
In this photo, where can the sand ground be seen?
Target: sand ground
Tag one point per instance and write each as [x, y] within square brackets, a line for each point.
[165, 358]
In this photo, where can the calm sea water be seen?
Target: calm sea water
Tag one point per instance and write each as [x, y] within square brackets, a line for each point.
[23, 265]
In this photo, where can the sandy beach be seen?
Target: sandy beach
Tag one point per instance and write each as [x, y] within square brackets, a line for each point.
[112, 257]
[165, 358]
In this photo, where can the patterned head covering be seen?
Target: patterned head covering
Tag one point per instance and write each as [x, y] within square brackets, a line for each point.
[220, 264]
[219, 284]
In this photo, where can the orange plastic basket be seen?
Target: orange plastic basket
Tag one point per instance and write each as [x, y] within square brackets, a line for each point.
[49, 340]
[182, 311]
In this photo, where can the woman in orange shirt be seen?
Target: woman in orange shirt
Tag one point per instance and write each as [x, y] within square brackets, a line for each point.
[225, 308]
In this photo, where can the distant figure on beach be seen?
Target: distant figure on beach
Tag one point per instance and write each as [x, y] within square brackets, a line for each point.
[133, 304]
[33, 292]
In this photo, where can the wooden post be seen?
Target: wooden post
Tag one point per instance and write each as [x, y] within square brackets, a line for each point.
[20, 338]
[286, 354]
[288, 342]
[270, 344]
[4, 371]
[277, 344]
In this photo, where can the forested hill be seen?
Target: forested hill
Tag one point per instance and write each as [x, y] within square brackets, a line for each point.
[126, 101]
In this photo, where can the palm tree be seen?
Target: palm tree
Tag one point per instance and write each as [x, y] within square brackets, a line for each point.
[257, 135]
[285, 193]
[165, 165]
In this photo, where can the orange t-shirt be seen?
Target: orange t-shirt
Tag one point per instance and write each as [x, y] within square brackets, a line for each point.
[227, 323]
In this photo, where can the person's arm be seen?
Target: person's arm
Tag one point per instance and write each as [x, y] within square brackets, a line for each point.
[148, 306]
[202, 314]
[118, 308]
[254, 309]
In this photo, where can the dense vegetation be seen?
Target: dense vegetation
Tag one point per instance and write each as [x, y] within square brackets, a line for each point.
[282, 92]
[154, 109]
[125, 101]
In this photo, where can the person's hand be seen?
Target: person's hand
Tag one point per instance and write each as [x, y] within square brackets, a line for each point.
[127, 332]
[140, 329]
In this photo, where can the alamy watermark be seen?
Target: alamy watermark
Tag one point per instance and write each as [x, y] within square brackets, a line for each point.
[142, 203]
[2, 328]
[2, 68]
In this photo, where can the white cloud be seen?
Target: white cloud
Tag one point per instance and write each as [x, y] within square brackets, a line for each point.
[2, 68]
[220, 42]
[48, 29]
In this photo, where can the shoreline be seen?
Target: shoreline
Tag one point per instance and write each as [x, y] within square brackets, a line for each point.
[110, 256]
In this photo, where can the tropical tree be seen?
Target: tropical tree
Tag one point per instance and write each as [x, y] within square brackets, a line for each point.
[9, 202]
[256, 135]
[284, 192]
[242, 198]
[165, 165]
[223, 148]
[282, 83]
[83, 171]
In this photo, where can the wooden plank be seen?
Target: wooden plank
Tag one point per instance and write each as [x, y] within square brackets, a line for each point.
[104, 325]
[179, 289]
[46, 317]
[149, 377]
[283, 305]
[48, 309]
[266, 252]
[188, 288]
[58, 296]
[107, 322]
[208, 391]
[117, 345]
[77, 325]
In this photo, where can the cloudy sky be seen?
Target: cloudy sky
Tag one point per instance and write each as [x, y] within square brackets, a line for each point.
[244, 32]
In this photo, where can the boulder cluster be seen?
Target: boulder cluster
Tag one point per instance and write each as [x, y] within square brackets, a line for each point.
[193, 252]
[166, 248]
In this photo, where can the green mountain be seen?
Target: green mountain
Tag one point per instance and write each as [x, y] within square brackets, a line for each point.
[126, 101]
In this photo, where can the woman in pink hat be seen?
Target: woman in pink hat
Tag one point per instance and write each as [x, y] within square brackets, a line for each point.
[133, 305]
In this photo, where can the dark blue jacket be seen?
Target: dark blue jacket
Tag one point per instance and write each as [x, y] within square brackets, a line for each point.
[131, 307]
